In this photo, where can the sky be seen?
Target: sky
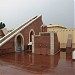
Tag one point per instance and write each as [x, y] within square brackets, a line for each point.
[16, 12]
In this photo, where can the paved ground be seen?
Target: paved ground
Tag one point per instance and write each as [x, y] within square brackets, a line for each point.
[30, 64]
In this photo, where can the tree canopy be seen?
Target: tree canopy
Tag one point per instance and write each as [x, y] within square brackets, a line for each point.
[2, 25]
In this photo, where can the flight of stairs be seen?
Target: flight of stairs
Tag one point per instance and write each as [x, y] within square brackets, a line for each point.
[11, 34]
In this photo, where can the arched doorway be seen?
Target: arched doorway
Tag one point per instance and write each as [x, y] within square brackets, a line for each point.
[19, 42]
[31, 33]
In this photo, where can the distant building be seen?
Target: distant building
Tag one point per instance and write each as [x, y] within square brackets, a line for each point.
[63, 34]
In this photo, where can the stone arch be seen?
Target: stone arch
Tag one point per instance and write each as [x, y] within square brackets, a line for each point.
[19, 42]
[31, 32]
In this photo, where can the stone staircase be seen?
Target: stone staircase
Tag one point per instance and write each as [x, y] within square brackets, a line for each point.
[15, 31]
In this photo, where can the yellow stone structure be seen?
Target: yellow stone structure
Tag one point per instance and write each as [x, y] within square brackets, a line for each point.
[62, 33]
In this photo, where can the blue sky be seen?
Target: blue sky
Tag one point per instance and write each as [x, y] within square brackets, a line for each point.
[16, 12]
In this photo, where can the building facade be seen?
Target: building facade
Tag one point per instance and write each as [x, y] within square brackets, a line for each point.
[63, 34]
[38, 38]
[46, 43]
[20, 37]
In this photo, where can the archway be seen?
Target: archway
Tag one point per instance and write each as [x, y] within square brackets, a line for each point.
[19, 42]
[31, 33]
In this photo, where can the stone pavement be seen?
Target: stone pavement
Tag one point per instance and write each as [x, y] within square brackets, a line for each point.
[32, 64]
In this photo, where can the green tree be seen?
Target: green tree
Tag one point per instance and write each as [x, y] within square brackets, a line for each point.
[2, 25]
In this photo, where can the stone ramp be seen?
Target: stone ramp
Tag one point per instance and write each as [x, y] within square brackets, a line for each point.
[15, 31]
